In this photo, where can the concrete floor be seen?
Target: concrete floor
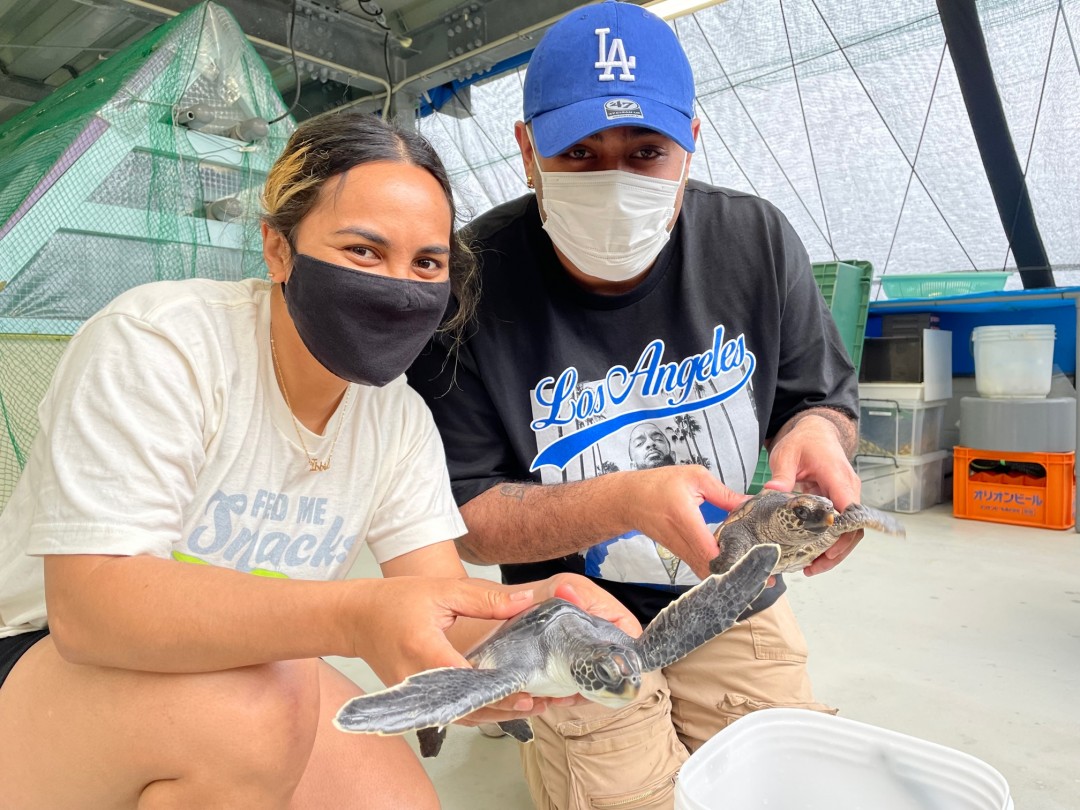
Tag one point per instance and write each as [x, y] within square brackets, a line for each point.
[967, 634]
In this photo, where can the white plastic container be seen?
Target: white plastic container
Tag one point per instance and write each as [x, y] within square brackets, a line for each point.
[781, 759]
[1013, 362]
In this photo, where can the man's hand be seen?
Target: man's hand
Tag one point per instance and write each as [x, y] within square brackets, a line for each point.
[809, 454]
[664, 503]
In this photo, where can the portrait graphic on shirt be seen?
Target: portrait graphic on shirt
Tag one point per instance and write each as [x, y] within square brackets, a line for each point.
[662, 411]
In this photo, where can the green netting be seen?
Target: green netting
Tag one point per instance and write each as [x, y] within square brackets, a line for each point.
[148, 167]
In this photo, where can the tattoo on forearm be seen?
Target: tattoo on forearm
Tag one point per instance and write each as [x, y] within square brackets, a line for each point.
[513, 490]
[846, 427]
[468, 551]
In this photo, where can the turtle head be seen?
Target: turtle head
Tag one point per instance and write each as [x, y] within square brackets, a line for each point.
[808, 513]
[608, 674]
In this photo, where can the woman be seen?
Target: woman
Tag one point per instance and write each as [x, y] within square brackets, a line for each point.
[211, 458]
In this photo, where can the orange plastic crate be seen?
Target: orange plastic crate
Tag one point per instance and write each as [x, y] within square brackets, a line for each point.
[1047, 502]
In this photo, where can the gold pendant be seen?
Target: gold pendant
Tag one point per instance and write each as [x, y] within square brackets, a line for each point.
[314, 465]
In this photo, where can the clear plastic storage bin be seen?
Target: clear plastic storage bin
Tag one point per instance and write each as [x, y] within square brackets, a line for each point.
[901, 483]
[900, 427]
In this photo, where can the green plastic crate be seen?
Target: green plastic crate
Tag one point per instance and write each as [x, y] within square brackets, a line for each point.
[845, 286]
[932, 285]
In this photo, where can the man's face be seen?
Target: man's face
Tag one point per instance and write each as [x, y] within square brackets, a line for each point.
[628, 148]
[649, 447]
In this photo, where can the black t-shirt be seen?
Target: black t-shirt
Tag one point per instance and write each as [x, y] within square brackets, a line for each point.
[724, 340]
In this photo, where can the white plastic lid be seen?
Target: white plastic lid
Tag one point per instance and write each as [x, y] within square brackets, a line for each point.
[1016, 331]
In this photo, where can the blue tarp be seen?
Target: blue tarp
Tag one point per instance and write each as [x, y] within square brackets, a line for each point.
[433, 100]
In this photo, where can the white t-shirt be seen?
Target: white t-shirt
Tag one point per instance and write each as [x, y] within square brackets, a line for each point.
[164, 432]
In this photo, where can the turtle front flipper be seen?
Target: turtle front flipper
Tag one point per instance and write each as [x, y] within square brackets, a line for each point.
[706, 610]
[733, 543]
[430, 699]
[858, 516]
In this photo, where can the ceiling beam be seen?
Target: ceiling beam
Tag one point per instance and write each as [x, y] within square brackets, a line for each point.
[464, 39]
[331, 45]
[22, 91]
[474, 35]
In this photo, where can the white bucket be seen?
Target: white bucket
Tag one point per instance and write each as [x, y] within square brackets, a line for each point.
[796, 758]
[1013, 362]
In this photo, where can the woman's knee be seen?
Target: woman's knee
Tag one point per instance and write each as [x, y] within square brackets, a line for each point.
[244, 732]
[392, 776]
[272, 714]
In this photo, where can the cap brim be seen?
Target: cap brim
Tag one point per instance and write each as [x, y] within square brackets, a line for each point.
[558, 130]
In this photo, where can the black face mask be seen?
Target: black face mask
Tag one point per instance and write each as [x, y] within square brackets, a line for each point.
[362, 327]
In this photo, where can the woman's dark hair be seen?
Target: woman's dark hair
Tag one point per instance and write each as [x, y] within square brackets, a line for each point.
[328, 146]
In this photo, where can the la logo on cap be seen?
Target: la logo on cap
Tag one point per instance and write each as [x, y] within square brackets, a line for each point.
[616, 58]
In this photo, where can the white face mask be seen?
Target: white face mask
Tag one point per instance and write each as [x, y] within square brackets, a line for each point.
[610, 224]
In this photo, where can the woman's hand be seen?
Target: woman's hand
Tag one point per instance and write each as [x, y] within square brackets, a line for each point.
[399, 623]
[405, 622]
[407, 618]
[591, 598]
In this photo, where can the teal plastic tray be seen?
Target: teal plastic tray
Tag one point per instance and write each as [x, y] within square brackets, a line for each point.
[932, 285]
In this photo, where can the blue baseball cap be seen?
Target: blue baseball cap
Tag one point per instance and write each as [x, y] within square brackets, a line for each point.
[607, 65]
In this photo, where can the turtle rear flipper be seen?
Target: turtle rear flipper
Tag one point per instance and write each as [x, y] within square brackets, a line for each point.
[520, 730]
[431, 740]
[706, 610]
[858, 516]
[430, 699]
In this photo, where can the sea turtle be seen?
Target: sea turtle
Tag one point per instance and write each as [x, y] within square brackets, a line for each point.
[802, 525]
[556, 649]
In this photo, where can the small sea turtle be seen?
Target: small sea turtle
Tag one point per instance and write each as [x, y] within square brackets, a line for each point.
[802, 525]
[556, 649]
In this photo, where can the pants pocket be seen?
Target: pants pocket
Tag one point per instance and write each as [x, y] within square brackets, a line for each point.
[629, 759]
[658, 796]
[733, 706]
[777, 636]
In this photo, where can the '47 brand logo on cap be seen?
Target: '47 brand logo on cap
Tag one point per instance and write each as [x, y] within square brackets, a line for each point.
[615, 58]
[622, 108]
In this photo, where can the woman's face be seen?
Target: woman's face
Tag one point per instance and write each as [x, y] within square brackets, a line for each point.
[388, 218]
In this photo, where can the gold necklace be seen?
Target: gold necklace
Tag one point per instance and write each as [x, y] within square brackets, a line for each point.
[314, 465]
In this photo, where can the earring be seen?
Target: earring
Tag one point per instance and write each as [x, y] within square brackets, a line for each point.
[529, 181]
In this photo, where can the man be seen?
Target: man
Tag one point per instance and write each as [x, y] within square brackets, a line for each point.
[621, 294]
[649, 447]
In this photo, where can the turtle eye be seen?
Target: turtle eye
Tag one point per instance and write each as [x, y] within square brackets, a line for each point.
[801, 512]
[609, 673]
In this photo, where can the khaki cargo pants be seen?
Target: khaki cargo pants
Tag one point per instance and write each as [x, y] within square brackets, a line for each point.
[589, 757]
